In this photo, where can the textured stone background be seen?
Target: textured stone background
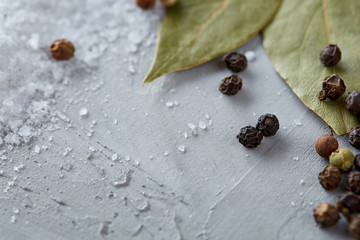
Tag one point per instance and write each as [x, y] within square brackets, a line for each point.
[117, 173]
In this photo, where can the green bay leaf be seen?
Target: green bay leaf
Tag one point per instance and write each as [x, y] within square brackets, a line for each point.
[294, 39]
[196, 31]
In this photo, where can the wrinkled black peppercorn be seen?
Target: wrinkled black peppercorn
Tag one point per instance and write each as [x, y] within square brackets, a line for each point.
[231, 84]
[268, 124]
[354, 137]
[235, 61]
[357, 162]
[353, 102]
[348, 203]
[250, 137]
[333, 88]
[330, 55]
[352, 182]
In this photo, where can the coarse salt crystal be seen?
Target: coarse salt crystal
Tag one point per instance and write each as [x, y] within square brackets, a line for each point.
[250, 55]
[181, 148]
[202, 125]
[114, 157]
[36, 149]
[83, 112]
[169, 104]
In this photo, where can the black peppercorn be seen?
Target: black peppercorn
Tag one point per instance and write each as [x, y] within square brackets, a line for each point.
[357, 162]
[354, 137]
[231, 84]
[250, 137]
[330, 177]
[330, 55]
[268, 124]
[354, 227]
[348, 203]
[235, 61]
[326, 215]
[352, 182]
[333, 88]
[353, 102]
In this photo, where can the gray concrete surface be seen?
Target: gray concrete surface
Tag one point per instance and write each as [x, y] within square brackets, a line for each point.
[117, 173]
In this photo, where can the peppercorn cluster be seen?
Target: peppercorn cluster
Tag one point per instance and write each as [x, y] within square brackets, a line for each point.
[236, 62]
[333, 87]
[342, 161]
[266, 126]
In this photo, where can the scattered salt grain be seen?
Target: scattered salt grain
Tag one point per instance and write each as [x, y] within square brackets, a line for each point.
[293, 204]
[122, 181]
[250, 55]
[202, 125]
[36, 149]
[295, 158]
[297, 123]
[127, 158]
[191, 126]
[18, 168]
[131, 68]
[166, 153]
[181, 148]
[34, 41]
[114, 157]
[13, 219]
[302, 182]
[169, 104]
[207, 116]
[185, 134]
[83, 112]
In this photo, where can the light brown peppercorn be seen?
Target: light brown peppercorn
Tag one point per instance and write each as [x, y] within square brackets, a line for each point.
[333, 88]
[325, 145]
[326, 215]
[145, 4]
[352, 182]
[231, 84]
[354, 227]
[168, 3]
[62, 49]
[330, 177]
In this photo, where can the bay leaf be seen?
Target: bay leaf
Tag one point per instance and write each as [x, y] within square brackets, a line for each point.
[294, 40]
[196, 31]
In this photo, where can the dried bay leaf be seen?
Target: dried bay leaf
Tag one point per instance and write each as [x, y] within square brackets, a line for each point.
[196, 31]
[294, 39]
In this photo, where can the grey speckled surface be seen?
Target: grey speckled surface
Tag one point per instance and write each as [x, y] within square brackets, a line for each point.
[217, 189]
